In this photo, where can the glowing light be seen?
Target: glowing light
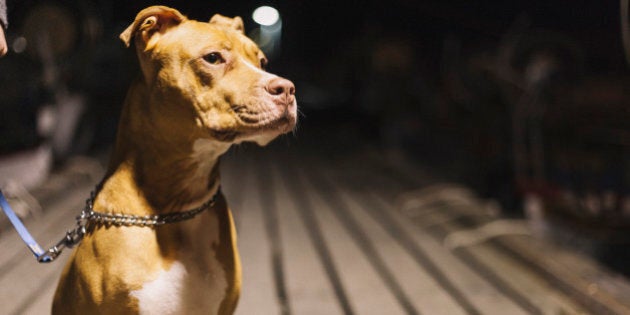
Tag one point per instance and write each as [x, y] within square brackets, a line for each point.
[266, 16]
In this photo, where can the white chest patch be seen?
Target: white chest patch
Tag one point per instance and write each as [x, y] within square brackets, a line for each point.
[194, 284]
[164, 294]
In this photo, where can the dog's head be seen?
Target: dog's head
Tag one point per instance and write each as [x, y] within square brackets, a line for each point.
[209, 77]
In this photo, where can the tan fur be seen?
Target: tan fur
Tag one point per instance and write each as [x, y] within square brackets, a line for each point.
[178, 118]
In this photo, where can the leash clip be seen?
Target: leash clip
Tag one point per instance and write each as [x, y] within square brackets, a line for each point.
[72, 237]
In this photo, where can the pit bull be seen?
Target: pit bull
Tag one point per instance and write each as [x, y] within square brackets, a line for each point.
[203, 87]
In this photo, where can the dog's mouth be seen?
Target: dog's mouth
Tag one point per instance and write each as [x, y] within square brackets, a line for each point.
[251, 123]
[283, 120]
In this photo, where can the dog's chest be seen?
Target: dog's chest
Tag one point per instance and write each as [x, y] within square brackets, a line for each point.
[195, 283]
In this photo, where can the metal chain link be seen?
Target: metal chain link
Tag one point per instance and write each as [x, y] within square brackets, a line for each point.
[88, 215]
[119, 219]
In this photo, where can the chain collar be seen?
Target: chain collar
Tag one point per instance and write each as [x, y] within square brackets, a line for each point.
[88, 215]
[119, 219]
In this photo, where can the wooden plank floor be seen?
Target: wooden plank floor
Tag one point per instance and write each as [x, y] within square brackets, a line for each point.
[353, 234]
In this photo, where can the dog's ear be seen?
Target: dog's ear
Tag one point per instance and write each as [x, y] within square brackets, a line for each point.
[236, 23]
[152, 20]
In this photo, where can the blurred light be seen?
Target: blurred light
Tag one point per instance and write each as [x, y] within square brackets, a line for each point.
[19, 45]
[266, 16]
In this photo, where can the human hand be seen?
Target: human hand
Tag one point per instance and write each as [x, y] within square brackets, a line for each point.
[3, 43]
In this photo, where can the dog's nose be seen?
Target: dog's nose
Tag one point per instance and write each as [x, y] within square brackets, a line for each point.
[280, 86]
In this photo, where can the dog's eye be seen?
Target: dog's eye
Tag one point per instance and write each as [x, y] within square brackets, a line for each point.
[214, 58]
[263, 63]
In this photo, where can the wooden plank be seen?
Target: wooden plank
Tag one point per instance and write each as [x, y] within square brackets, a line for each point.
[562, 276]
[426, 295]
[566, 273]
[585, 293]
[529, 284]
[507, 275]
[258, 290]
[366, 289]
[483, 296]
[592, 271]
[442, 234]
[309, 288]
[40, 300]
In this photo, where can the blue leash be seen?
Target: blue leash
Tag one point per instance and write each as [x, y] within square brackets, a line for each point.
[21, 229]
[43, 256]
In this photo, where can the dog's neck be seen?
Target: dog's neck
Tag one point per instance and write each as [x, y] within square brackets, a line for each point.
[158, 170]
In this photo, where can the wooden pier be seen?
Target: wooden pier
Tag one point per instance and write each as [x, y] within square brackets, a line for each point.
[350, 233]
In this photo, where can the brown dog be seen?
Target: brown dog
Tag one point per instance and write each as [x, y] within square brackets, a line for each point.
[202, 89]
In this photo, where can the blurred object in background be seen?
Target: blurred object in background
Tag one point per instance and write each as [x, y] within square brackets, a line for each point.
[268, 34]
[40, 115]
[548, 136]
[51, 31]
[45, 117]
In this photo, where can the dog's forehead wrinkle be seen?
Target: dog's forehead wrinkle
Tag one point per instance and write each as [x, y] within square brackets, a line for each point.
[227, 45]
[251, 52]
[211, 46]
